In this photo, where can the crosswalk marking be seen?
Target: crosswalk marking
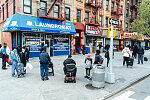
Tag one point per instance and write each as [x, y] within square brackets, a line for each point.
[147, 98]
[125, 96]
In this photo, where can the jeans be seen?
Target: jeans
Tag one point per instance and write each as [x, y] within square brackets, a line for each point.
[44, 68]
[125, 59]
[140, 58]
[107, 61]
[13, 68]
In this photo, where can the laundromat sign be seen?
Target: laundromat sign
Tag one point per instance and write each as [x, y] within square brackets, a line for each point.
[93, 30]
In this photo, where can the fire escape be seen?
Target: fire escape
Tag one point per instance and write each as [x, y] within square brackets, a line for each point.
[96, 5]
[45, 12]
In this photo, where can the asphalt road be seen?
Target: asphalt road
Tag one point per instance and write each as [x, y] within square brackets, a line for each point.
[140, 91]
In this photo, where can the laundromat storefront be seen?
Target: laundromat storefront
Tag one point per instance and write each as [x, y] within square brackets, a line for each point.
[33, 31]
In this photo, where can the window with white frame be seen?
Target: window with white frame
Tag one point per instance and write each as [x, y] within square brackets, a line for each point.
[56, 11]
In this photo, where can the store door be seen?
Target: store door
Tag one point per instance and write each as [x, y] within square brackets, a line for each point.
[49, 45]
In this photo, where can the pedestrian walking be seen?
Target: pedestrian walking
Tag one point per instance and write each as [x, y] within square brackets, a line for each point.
[98, 58]
[140, 54]
[14, 57]
[23, 57]
[27, 50]
[107, 56]
[126, 54]
[135, 51]
[100, 46]
[88, 62]
[44, 65]
[107, 47]
[5, 55]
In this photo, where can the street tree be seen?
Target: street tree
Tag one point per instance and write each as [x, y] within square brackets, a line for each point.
[142, 23]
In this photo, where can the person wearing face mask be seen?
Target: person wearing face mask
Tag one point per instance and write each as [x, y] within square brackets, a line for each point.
[23, 57]
[5, 55]
[14, 57]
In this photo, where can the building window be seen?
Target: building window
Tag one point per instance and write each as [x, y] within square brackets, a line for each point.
[126, 12]
[0, 12]
[121, 9]
[67, 13]
[7, 9]
[126, 26]
[27, 4]
[131, 2]
[78, 15]
[120, 23]
[107, 4]
[43, 8]
[112, 6]
[14, 6]
[117, 7]
[100, 20]
[106, 21]
[86, 17]
[94, 18]
[56, 11]
[3, 13]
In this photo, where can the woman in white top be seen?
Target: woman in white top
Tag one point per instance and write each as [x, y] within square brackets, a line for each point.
[126, 54]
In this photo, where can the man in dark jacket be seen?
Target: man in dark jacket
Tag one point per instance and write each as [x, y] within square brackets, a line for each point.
[44, 64]
[107, 56]
[140, 54]
[69, 60]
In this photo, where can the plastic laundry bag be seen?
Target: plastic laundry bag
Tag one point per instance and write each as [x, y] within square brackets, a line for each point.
[29, 66]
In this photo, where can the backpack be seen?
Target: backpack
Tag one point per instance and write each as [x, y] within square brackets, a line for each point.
[145, 59]
[88, 64]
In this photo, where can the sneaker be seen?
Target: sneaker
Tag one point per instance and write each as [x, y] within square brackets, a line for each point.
[46, 78]
[42, 79]
[4, 68]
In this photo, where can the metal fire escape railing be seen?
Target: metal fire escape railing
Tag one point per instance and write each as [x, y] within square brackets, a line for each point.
[97, 5]
[45, 12]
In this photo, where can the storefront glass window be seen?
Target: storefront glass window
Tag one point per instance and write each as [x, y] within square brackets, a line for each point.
[33, 40]
[61, 43]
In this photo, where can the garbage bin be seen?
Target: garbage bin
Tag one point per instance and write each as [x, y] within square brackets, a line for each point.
[98, 76]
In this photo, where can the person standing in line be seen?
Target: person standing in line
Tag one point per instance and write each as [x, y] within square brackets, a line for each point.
[126, 54]
[88, 62]
[107, 56]
[23, 57]
[5, 52]
[14, 57]
[27, 50]
[44, 65]
[42, 48]
[19, 49]
[100, 46]
[135, 51]
[140, 54]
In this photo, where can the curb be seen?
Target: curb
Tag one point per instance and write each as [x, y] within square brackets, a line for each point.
[125, 87]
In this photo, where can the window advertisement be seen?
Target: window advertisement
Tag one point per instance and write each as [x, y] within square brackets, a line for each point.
[33, 40]
[117, 34]
[61, 45]
[105, 32]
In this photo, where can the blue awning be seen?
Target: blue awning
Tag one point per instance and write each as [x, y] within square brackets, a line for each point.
[28, 23]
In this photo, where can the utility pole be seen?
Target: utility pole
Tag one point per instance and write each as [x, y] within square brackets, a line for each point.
[110, 74]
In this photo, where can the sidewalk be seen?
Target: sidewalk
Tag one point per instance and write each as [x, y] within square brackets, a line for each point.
[32, 88]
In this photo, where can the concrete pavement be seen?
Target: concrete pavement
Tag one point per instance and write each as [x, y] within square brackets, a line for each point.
[31, 87]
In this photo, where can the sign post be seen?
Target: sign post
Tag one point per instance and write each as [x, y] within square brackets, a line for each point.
[110, 74]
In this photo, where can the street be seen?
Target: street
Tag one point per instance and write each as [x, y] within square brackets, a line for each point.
[140, 91]
[31, 87]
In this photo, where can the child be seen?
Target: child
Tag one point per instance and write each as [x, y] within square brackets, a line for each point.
[88, 62]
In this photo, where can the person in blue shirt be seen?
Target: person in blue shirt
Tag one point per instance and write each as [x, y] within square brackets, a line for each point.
[4, 56]
[14, 57]
[98, 58]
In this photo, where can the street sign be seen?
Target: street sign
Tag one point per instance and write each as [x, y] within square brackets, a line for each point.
[113, 21]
